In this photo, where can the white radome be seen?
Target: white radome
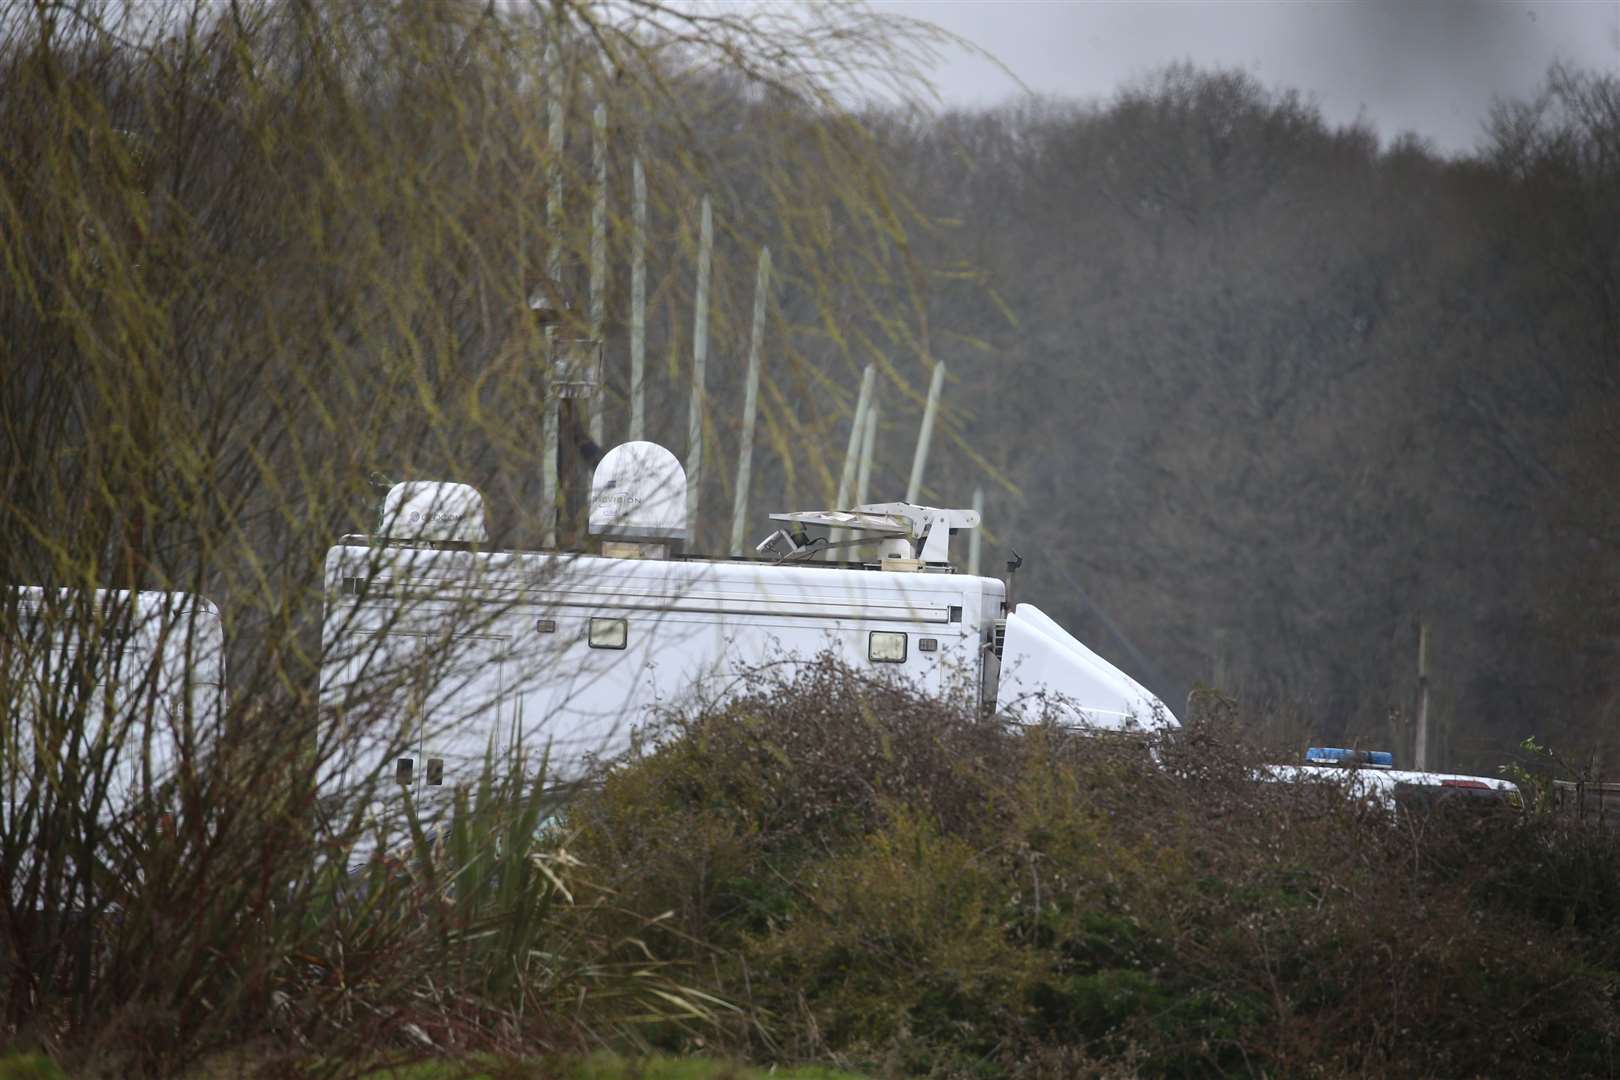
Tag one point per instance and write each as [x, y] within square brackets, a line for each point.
[434, 511]
[638, 492]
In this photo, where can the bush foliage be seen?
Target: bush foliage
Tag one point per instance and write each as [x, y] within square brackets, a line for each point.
[886, 883]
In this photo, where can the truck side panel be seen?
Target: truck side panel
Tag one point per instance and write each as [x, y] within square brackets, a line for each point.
[567, 655]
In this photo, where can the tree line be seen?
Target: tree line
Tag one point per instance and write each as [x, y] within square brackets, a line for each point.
[1273, 393]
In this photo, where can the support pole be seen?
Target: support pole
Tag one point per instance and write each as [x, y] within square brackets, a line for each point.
[550, 432]
[551, 427]
[1420, 749]
[973, 534]
[638, 306]
[598, 424]
[554, 177]
[863, 476]
[846, 479]
[745, 449]
[920, 460]
[700, 359]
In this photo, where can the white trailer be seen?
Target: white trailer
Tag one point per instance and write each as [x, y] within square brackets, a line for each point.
[438, 652]
[105, 692]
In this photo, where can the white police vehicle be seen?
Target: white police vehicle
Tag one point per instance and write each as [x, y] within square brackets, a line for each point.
[1370, 775]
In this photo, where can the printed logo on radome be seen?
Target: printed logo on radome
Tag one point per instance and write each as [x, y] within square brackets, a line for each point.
[612, 495]
[621, 499]
[429, 517]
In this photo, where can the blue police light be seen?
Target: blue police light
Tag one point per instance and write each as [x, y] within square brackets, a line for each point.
[1335, 755]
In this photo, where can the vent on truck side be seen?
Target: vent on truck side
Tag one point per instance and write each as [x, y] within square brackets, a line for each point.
[990, 666]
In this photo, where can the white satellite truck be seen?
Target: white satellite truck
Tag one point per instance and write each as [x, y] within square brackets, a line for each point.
[103, 692]
[438, 652]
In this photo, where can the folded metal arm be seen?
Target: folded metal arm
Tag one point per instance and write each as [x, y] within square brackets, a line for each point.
[927, 527]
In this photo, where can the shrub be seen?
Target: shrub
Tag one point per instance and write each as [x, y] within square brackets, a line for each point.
[241, 926]
[911, 889]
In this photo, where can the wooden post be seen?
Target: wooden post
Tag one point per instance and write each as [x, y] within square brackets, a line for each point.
[863, 475]
[554, 177]
[638, 306]
[598, 425]
[700, 360]
[973, 535]
[550, 433]
[1420, 749]
[920, 460]
[846, 479]
[745, 448]
[551, 426]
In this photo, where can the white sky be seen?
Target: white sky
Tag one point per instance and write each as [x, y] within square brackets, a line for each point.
[1431, 66]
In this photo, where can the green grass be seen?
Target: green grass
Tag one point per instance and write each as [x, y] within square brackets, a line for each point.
[597, 1067]
[603, 1067]
[28, 1067]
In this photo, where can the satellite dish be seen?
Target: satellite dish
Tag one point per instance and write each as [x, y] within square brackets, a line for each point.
[928, 527]
[887, 524]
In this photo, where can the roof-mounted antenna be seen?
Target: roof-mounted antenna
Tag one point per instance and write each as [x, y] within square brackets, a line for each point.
[379, 482]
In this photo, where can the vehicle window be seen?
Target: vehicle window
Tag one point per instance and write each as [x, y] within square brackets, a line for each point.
[886, 646]
[609, 633]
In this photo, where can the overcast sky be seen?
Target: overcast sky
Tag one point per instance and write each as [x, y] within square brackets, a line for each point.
[1431, 66]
